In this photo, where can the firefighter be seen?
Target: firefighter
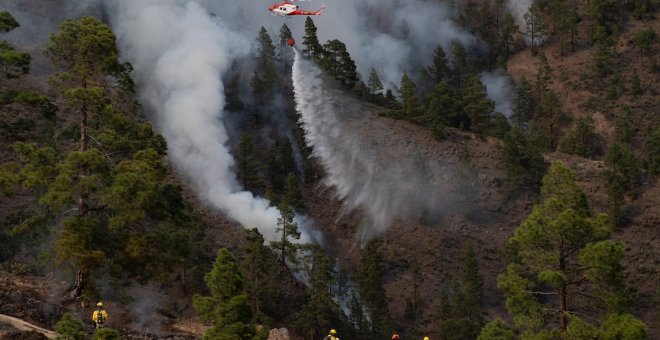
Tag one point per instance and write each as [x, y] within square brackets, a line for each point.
[100, 316]
[332, 335]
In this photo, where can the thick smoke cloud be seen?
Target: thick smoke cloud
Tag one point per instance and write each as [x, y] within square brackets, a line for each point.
[180, 53]
[387, 173]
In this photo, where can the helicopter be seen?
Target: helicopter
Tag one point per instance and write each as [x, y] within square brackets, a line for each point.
[287, 9]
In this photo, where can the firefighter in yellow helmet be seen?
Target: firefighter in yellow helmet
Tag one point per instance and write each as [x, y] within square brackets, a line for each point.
[426, 338]
[100, 316]
[332, 335]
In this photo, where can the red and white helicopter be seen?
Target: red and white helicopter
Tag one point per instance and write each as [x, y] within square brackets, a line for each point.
[286, 9]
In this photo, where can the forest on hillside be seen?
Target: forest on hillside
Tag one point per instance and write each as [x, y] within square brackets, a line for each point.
[88, 191]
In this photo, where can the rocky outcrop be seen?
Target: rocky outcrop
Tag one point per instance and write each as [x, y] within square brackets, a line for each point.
[279, 334]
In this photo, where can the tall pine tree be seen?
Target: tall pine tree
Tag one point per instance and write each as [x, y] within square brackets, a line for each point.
[227, 307]
[565, 270]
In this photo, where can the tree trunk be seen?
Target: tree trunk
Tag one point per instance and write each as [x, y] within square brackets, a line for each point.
[563, 308]
[76, 290]
[256, 295]
[82, 199]
[183, 279]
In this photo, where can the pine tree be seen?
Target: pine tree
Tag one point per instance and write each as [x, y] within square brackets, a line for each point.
[415, 294]
[617, 200]
[7, 22]
[523, 160]
[285, 35]
[287, 162]
[477, 105]
[564, 265]
[69, 328]
[313, 48]
[374, 84]
[85, 50]
[506, 33]
[582, 141]
[459, 63]
[233, 94]
[644, 38]
[316, 315]
[409, 98]
[227, 306]
[496, 330]
[248, 164]
[106, 334]
[337, 61]
[462, 317]
[262, 283]
[636, 87]
[445, 108]
[285, 50]
[623, 167]
[543, 76]
[473, 286]
[292, 194]
[523, 104]
[372, 294]
[259, 90]
[265, 51]
[13, 61]
[440, 69]
[444, 309]
[274, 170]
[535, 26]
[549, 120]
[653, 150]
[357, 317]
[604, 15]
[288, 230]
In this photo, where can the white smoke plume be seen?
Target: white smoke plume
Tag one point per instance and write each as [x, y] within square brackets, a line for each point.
[499, 87]
[518, 9]
[180, 53]
[386, 173]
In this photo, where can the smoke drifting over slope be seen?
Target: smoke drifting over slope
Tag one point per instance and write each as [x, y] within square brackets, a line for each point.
[387, 173]
[518, 9]
[180, 53]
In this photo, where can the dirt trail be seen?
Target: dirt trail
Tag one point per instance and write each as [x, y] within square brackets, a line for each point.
[25, 326]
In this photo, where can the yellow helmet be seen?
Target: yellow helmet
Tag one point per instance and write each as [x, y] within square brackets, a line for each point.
[426, 338]
[100, 304]
[333, 331]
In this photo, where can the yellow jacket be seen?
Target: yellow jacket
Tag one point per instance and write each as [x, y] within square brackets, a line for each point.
[99, 316]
